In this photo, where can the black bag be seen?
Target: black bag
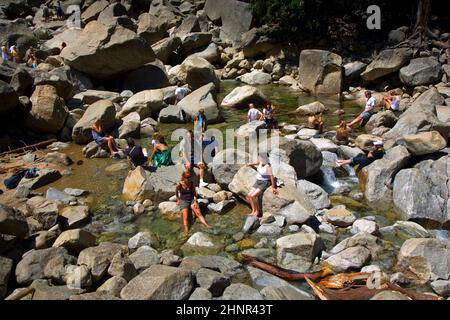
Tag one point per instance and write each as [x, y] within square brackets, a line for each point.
[13, 181]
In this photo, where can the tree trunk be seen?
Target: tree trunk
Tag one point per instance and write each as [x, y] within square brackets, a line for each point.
[423, 14]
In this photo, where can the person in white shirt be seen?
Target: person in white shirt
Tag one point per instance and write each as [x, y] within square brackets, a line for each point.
[364, 117]
[253, 113]
[264, 179]
[392, 102]
[180, 93]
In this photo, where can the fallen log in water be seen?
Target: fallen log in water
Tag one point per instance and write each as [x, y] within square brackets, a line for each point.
[285, 274]
[362, 292]
[41, 144]
[342, 280]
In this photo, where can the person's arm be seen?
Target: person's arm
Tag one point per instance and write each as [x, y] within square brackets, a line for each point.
[195, 192]
[152, 155]
[272, 180]
[177, 193]
[250, 164]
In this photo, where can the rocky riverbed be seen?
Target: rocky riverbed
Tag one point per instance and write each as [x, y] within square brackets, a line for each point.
[84, 229]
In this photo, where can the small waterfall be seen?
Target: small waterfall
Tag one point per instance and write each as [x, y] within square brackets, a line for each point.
[330, 182]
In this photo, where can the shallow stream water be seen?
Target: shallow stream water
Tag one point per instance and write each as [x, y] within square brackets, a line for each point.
[106, 188]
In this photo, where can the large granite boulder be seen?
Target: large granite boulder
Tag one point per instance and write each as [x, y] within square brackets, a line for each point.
[12, 222]
[235, 17]
[159, 282]
[202, 98]
[421, 193]
[421, 71]
[151, 28]
[321, 72]
[150, 76]
[48, 111]
[196, 72]
[377, 178]
[424, 259]
[43, 264]
[102, 110]
[255, 77]
[165, 49]
[8, 96]
[387, 62]
[423, 143]
[240, 97]
[146, 103]
[226, 164]
[98, 259]
[103, 51]
[298, 251]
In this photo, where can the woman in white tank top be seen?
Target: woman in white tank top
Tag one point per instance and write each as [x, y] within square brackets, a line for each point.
[264, 179]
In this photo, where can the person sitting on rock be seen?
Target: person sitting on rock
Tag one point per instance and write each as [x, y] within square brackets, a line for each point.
[192, 154]
[200, 122]
[264, 179]
[46, 14]
[5, 55]
[268, 116]
[180, 93]
[187, 199]
[59, 11]
[392, 102]
[102, 139]
[342, 134]
[136, 155]
[253, 113]
[15, 55]
[314, 123]
[161, 154]
[364, 117]
[364, 160]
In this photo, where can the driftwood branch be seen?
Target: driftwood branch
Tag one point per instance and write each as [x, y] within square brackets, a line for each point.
[21, 293]
[286, 274]
[41, 144]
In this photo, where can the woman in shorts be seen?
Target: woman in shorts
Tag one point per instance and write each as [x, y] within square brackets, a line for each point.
[264, 179]
[187, 199]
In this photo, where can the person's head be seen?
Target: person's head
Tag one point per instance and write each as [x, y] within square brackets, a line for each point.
[368, 94]
[161, 139]
[201, 112]
[63, 45]
[263, 157]
[130, 142]
[269, 105]
[186, 176]
[378, 145]
[392, 93]
[98, 123]
[343, 125]
[251, 106]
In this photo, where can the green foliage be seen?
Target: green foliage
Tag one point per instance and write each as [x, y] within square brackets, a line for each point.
[289, 15]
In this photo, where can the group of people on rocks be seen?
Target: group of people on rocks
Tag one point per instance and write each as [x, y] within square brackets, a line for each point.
[267, 115]
[48, 13]
[199, 139]
[12, 54]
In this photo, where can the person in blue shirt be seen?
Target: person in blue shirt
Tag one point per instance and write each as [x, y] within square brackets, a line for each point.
[103, 139]
[200, 122]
